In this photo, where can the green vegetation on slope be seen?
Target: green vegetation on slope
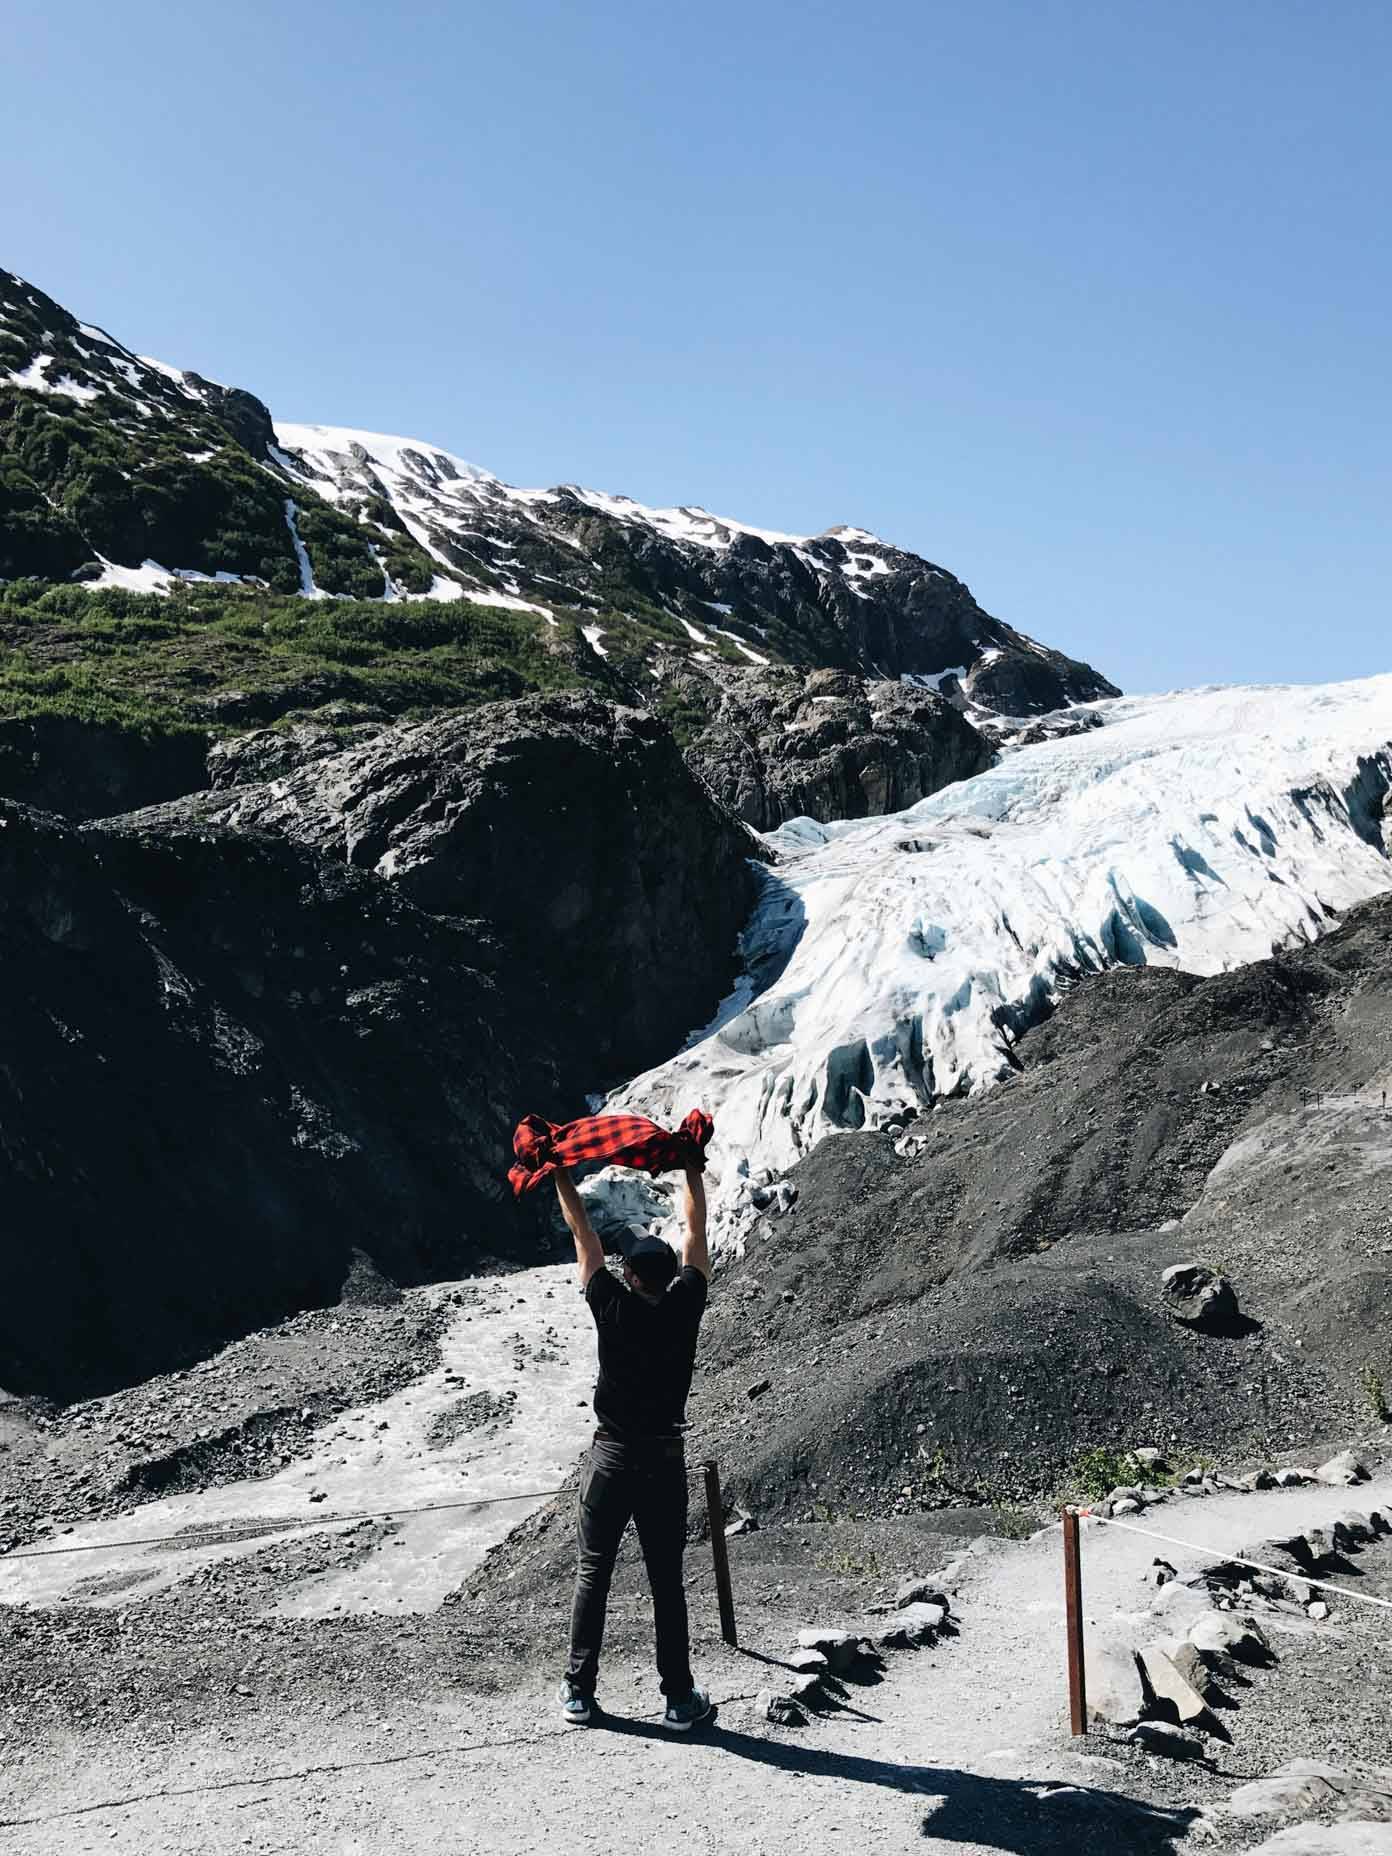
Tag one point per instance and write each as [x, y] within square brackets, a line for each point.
[231, 658]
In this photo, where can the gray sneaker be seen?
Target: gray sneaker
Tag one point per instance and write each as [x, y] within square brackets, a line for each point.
[574, 1706]
[682, 1716]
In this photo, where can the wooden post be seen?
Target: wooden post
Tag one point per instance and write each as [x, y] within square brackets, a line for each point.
[1073, 1609]
[716, 1514]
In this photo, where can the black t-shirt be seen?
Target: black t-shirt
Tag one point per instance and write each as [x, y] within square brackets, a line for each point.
[646, 1353]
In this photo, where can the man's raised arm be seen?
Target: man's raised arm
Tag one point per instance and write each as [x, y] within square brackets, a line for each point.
[695, 1255]
[589, 1252]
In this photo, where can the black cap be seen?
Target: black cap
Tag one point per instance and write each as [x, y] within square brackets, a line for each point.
[650, 1257]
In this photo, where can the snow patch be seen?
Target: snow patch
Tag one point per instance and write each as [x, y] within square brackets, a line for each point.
[307, 586]
[34, 379]
[592, 635]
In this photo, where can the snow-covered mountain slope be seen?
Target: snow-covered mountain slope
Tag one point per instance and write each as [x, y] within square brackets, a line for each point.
[122, 470]
[724, 588]
[897, 959]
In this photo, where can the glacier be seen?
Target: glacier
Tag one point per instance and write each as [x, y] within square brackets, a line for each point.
[891, 961]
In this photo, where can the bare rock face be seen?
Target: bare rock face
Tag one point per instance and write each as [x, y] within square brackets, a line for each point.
[572, 828]
[87, 770]
[826, 744]
[232, 1071]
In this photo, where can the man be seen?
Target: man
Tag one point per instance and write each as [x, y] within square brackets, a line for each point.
[636, 1469]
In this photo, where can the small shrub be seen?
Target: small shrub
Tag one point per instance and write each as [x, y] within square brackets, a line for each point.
[1097, 1472]
[1375, 1392]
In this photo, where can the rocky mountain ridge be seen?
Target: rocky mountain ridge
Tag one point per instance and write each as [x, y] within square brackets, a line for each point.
[120, 470]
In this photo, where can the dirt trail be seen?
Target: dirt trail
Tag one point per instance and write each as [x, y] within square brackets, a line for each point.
[958, 1749]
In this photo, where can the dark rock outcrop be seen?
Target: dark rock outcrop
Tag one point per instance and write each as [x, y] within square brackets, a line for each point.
[227, 1066]
[87, 770]
[778, 744]
[246, 1041]
[573, 828]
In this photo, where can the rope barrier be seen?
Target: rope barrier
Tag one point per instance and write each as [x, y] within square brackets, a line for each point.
[1236, 1559]
[218, 1536]
[315, 1772]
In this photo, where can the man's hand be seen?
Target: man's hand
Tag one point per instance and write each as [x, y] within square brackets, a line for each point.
[695, 1255]
[589, 1252]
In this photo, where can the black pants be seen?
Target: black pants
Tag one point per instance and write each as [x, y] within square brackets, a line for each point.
[645, 1483]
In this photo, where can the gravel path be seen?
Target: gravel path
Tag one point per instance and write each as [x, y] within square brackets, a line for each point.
[958, 1749]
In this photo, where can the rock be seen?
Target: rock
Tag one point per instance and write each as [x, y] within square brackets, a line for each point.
[1184, 1657]
[228, 996]
[1149, 1457]
[1199, 1297]
[1176, 1604]
[913, 1625]
[1169, 1687]
[1356, 1839]
[1229, 1633]
[1342, 1470]
[758, 1389]
[779, 743]
[86, 770]
[1318, 1610]
[742, 1524]
[921, 1592]
[809, 1662]
[1170, 1742]
[1351, 1529]
[1293, 1478]
[635, 884]
[1260, 1479]
[841, 1648]
[1298, 1788]
[1112, 1679]
[782, 1710]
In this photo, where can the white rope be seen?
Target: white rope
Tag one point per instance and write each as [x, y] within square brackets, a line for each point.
[1235, 1559]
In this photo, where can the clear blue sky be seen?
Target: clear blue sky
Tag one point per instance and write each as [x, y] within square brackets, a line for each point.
[1087, 302]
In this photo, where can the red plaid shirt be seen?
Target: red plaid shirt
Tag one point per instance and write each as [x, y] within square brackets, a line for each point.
[618, 1140]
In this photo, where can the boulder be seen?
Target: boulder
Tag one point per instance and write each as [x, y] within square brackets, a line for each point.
[1351, 1529]
[1168, 1741]
[1229, 1633]
[1199, 1297]
[922, 1592]
[914, 1624]
[1170, 1689]
[781, 1710]
[841, 1648]
[1342, 1470]
[1184, 1657]
[1298, 1788]
[1112, 1678]
[1348, 1839]
[809, 1662]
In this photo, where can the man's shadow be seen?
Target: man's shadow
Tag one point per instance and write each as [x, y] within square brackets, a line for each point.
[1024, 1817]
